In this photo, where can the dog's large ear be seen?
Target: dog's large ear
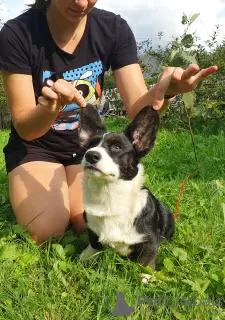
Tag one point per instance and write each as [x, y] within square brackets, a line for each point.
[143, 129]
[90, 124]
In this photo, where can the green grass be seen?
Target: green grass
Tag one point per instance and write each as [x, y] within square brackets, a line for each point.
[51, 283]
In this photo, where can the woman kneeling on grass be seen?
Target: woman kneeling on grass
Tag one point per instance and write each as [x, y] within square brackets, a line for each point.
[53, 58]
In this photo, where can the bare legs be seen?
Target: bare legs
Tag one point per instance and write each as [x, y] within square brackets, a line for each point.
[45, 197]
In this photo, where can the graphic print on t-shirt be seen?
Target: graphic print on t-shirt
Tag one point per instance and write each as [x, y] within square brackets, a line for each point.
[86, 81]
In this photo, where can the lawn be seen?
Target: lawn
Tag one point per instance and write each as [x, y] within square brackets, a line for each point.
[50, 282]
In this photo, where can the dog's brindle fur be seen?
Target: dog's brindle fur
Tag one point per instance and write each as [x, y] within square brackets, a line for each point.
[123, 151]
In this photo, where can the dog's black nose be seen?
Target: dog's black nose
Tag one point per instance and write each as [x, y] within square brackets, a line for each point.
[92, 156]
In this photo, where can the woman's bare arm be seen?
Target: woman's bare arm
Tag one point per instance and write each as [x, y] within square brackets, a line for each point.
[31, 121]
[133, 91]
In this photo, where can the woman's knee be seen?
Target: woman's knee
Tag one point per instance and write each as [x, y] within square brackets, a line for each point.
[46, 225]
[40, 200]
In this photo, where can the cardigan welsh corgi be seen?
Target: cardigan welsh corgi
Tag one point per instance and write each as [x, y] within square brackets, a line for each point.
[119, 210]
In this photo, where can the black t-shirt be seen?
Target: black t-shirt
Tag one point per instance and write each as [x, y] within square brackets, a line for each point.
[27, 47]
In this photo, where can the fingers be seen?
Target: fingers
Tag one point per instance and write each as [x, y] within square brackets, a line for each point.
[193, 68]
[175, 81]
[63, 91]
[44, 101]
[49, 93]
[177, 74]
[51, 105]
[181, 74]
[78, 98]
[50, 100]
[189, 72]
[161, 88]
[68, 93]
[167, 83]
[209, 71]
[205, 73]
[192, 80]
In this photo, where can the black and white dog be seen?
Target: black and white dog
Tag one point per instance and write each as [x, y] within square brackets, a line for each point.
[119, 210]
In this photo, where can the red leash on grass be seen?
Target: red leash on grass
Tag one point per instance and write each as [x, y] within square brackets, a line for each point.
[176, 213]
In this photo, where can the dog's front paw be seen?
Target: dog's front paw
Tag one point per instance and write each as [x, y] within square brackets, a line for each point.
[89, 254]
[145, 278]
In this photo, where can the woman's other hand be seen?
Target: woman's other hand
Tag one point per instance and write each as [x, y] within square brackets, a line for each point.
[175, 80]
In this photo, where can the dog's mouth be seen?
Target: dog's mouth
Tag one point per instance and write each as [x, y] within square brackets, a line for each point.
[92, 169]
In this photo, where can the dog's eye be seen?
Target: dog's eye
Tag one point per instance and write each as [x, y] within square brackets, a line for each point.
[116, 147]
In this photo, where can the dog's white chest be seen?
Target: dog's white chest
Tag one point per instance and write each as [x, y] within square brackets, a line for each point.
[111, 213]
[116, 232]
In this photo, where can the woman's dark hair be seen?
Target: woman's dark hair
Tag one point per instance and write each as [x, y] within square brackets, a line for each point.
[40, 4]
